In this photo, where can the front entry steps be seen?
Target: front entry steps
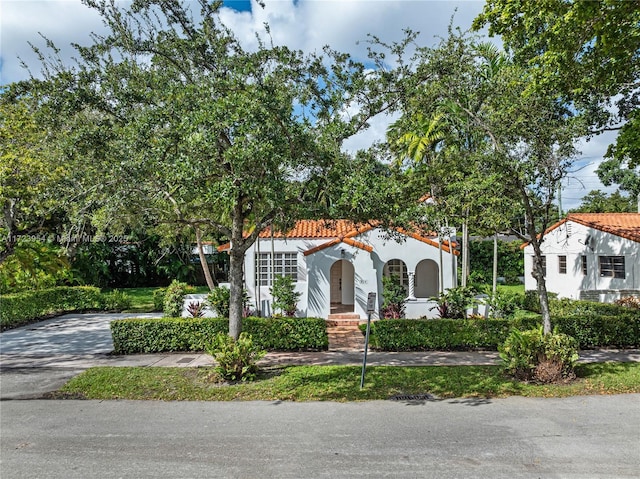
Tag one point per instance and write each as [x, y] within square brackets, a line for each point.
[344, 334]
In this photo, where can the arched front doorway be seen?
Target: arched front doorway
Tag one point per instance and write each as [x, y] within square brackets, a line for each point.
[342, 281]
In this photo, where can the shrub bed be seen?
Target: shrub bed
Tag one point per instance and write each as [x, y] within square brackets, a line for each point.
[131, 336]
[22, 308]
[458, 335]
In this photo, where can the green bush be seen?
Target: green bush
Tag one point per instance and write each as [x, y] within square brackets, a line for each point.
[158, 299]
[285, 296]
[132, 336]
[570, 307]
[438, 334]
[503, 304]
[547, 358]
[22, 308]
[235, 360]
[451, 335]
[531, 300]
[174, 299]
[519, 352]
[116, 300]
[220, 300]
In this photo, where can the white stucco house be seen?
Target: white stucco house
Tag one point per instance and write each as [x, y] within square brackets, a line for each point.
[593, 256]
[336, 264]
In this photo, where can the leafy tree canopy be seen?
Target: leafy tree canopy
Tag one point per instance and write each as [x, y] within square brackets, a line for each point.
[589, 50]
[597, 201]
[174, 122]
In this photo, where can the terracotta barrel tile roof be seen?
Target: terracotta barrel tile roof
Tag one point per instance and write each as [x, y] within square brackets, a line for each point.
[625, 225]
[318, 229]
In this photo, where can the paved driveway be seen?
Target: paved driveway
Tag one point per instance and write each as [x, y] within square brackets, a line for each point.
[71, 334]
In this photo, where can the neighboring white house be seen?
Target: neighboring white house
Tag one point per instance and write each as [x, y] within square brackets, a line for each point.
[335, 264]
[594, 256]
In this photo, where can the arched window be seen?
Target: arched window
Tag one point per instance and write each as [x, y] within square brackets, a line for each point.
[398, 268]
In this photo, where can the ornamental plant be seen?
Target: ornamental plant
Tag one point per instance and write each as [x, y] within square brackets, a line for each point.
[395, 298]
[531, 355]
[236, 359]
[219, 300]
[174, 298]
[285, 296]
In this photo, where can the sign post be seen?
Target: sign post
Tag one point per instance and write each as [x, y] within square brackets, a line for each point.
[371, 307]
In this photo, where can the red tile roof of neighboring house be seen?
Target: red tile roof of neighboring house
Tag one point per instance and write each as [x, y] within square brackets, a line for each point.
[625, 225]
[337, 231]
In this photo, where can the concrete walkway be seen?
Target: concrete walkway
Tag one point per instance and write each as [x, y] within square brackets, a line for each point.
[41, 357]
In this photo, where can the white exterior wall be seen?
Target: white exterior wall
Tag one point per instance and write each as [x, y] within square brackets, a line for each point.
[314, 271]
[570, 240]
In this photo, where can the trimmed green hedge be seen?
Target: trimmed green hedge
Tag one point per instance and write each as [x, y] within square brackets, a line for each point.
[22, 308]
[459, 335]
[131, 336]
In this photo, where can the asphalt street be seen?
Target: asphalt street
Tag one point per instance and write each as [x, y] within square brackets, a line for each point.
[579, 437]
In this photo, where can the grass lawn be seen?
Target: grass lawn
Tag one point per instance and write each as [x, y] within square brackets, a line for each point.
[340, 383]
[142, 298]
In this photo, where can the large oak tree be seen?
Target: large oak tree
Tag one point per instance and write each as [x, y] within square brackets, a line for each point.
[171, 118]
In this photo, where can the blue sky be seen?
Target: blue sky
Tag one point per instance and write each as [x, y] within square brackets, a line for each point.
[307, 25]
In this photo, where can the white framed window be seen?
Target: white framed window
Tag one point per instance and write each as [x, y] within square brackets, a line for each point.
[562, 264]
[284, 264]
[612, 266]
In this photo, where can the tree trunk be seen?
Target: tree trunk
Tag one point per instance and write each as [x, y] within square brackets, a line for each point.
[203, 260]
[538, 274]
[236, 269]
[11, 239]
[494, 283]
[465, 252]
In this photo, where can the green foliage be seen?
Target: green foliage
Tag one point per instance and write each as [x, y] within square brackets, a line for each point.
[264, 131]
[469, 334]
[133, 336]
[531, 300]
[437, 335]
[31, 171]
[219, 300]
[136, 260]
[454, 302]
[530, 354]
[519, 352]
[236, 359]
[34, 265]
[566, 307]
[510, 261]
[158, 299]
[23, 308]
[116, 300]
[503, 304]
[174, 299]
[395, 298]
[598, 202]
[285, 296]
[565, 45]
